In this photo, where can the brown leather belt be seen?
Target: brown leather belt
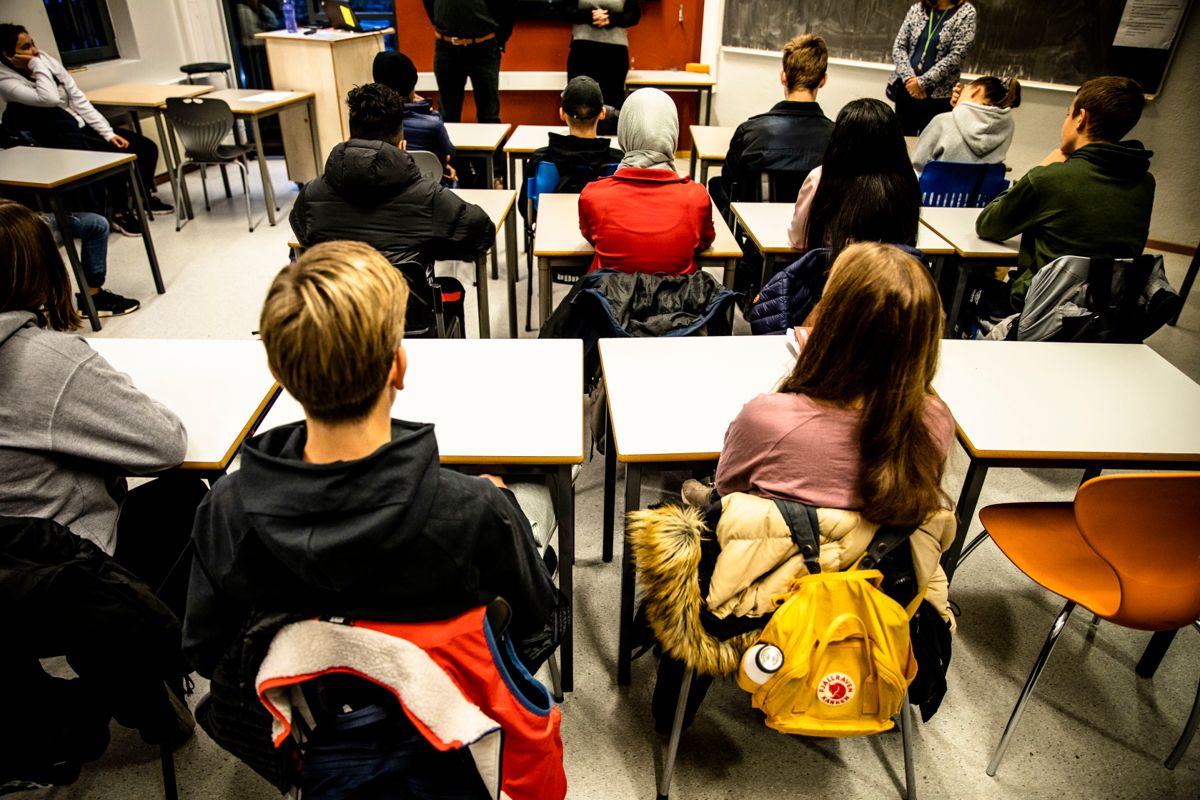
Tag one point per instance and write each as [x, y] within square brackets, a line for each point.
[457, 41]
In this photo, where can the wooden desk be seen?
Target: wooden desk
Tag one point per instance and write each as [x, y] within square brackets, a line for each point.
[524, 140]
[558, 242]
[643, 378]
[477, 138]
[710, 144]
[539, 428]
[50, 172]
[254, 105]
[1067, 405]
[219, 388]
[137, 99]
[674, 80]
[957, 227]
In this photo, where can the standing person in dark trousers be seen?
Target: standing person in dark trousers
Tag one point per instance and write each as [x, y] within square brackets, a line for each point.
[600, 43]
[471, 34]
[928, 55]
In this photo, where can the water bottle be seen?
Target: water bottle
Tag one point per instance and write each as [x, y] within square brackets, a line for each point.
[759, 665]
[289, 16]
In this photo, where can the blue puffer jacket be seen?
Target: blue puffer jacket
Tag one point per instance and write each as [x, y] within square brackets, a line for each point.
[791, 294]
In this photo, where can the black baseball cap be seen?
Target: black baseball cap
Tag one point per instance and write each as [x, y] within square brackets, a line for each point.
[395, 71]
[582, 99]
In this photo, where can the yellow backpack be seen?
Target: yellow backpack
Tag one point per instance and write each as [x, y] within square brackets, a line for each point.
[835, 658]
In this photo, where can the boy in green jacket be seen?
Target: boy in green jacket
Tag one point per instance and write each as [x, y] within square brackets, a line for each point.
[1090, 197]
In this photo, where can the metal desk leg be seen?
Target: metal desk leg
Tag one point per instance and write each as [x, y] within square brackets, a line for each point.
[704, 165]
[1186, 288]
[510, 262]
[565, 508]
[64, 231]
[692, 162]
[318, 162]
[543, 290]
[956, 300]
[730, 272]
[633, 500]
[1153, 655]
[170, 154]
[610, 485]
[268, 189]
[140, 203]
[708, 105]
[481, 296]
[937, 264]
[968, 498]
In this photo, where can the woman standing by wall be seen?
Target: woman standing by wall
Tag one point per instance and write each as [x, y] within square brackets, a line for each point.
[928, 55]
[600, 43]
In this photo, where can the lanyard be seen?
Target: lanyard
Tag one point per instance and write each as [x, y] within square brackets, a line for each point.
[929, 33]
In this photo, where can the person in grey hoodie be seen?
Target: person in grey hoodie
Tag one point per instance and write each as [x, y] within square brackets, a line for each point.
[978, 130]
[72, 427]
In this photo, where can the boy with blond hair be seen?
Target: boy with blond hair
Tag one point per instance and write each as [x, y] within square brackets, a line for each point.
[789, 140]
[348, 513]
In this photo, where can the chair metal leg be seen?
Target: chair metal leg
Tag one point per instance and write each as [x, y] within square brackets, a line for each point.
[1185, 738]
[555, 678]
[181, 182]
[1019, 709]
[167, 760]
[225, 180]
[245, 170]
[204, 187]
[971, 545]
[906, 726]
[685, 686]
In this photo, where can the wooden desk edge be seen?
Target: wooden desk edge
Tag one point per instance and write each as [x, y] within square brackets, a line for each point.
[255, 418]
[761, 248]
[266, 108]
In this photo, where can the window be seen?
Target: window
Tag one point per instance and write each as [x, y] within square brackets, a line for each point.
[82, 30]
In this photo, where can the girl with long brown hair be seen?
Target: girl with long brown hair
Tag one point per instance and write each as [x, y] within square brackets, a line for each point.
[855, 425]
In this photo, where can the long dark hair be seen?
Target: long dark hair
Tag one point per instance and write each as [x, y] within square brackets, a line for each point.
[868, 191]
[874, 345]
[32, 274]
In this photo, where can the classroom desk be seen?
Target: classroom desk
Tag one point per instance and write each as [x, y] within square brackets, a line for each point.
[767, 226]
[1065, 405]
[558, 242]
[524, 140]
[710, 144]
[675, 80]
[957, 227]
[479, 138]
[49, 172]
[538, 429]
[138, 99]
[220, 389]
[243, 104]
[642, 377]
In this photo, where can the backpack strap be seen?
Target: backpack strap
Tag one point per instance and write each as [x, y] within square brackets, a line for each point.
[886, 539]
[801, 520]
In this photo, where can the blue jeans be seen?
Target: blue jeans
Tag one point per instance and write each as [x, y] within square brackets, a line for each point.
[90, 231]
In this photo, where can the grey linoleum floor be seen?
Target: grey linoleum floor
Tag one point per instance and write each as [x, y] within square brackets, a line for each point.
[1093, 730]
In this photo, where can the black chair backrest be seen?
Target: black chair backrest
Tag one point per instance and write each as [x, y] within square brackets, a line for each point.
[201, 124]
[1113, 293]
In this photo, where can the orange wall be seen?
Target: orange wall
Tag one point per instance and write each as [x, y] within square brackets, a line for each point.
[659, 41]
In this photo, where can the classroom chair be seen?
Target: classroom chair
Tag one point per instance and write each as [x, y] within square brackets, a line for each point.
[428, 164]
[202, 124]
[1126, 549]
[205, 68]
[954, 184]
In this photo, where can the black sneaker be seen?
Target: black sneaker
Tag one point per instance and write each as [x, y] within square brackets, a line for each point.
[127, 222]
[158, 206]
[110, 305]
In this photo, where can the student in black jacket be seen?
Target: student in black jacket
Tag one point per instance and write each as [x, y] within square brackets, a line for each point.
[789, 140]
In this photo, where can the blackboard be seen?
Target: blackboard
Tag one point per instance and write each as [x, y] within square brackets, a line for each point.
[1051, 41]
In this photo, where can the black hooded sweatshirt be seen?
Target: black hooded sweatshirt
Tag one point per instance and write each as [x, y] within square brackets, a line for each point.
[389, 537]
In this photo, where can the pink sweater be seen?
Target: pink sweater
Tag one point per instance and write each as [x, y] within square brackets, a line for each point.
[792, 447]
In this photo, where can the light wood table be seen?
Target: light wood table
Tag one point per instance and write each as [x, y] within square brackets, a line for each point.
[254, 105]
[137, 99]
[50, 173]
[957, 227]
[674, 80]
[558, 242]
[524, 140]
[538, 429]
[220, 389]
[655, 421]
[481, 138]
[710, 145]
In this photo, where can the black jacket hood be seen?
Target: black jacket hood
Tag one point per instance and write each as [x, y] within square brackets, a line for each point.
[327, 522]
[369, 169]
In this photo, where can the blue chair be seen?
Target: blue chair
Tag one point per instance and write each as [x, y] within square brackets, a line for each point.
[953, 184]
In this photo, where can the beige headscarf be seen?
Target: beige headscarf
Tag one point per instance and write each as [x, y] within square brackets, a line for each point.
[648, 130]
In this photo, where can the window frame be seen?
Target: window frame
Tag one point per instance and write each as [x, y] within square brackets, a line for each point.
[88, 55]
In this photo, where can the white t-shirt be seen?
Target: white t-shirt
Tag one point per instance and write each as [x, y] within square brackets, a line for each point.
[51, 87]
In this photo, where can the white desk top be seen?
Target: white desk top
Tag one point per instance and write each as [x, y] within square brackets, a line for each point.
[240, 103]
[494, 401]
[711, 141]
[144, 95]
[767, 226]
[957, 226]
[1057, 400]
[217, 387]
[669, 77]
[558, 231]
[485, 136]
[496, 203]
[48, 167]
[527, 138]
[657, 413]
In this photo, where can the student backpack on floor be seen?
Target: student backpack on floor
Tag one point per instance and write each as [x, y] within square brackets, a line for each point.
[836, 658]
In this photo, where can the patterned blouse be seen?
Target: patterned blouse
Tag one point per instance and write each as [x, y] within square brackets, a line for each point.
[955, 39]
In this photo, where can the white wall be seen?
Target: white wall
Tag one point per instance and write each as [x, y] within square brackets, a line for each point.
[749, 84]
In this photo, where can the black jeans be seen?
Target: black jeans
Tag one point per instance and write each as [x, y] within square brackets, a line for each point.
[453, 64]
[915, 114]
[144, 148]
[607, 64]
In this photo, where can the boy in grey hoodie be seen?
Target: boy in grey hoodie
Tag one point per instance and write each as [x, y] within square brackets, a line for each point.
[977, 131]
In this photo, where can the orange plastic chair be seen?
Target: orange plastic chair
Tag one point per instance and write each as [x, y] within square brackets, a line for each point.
[1127, 549]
